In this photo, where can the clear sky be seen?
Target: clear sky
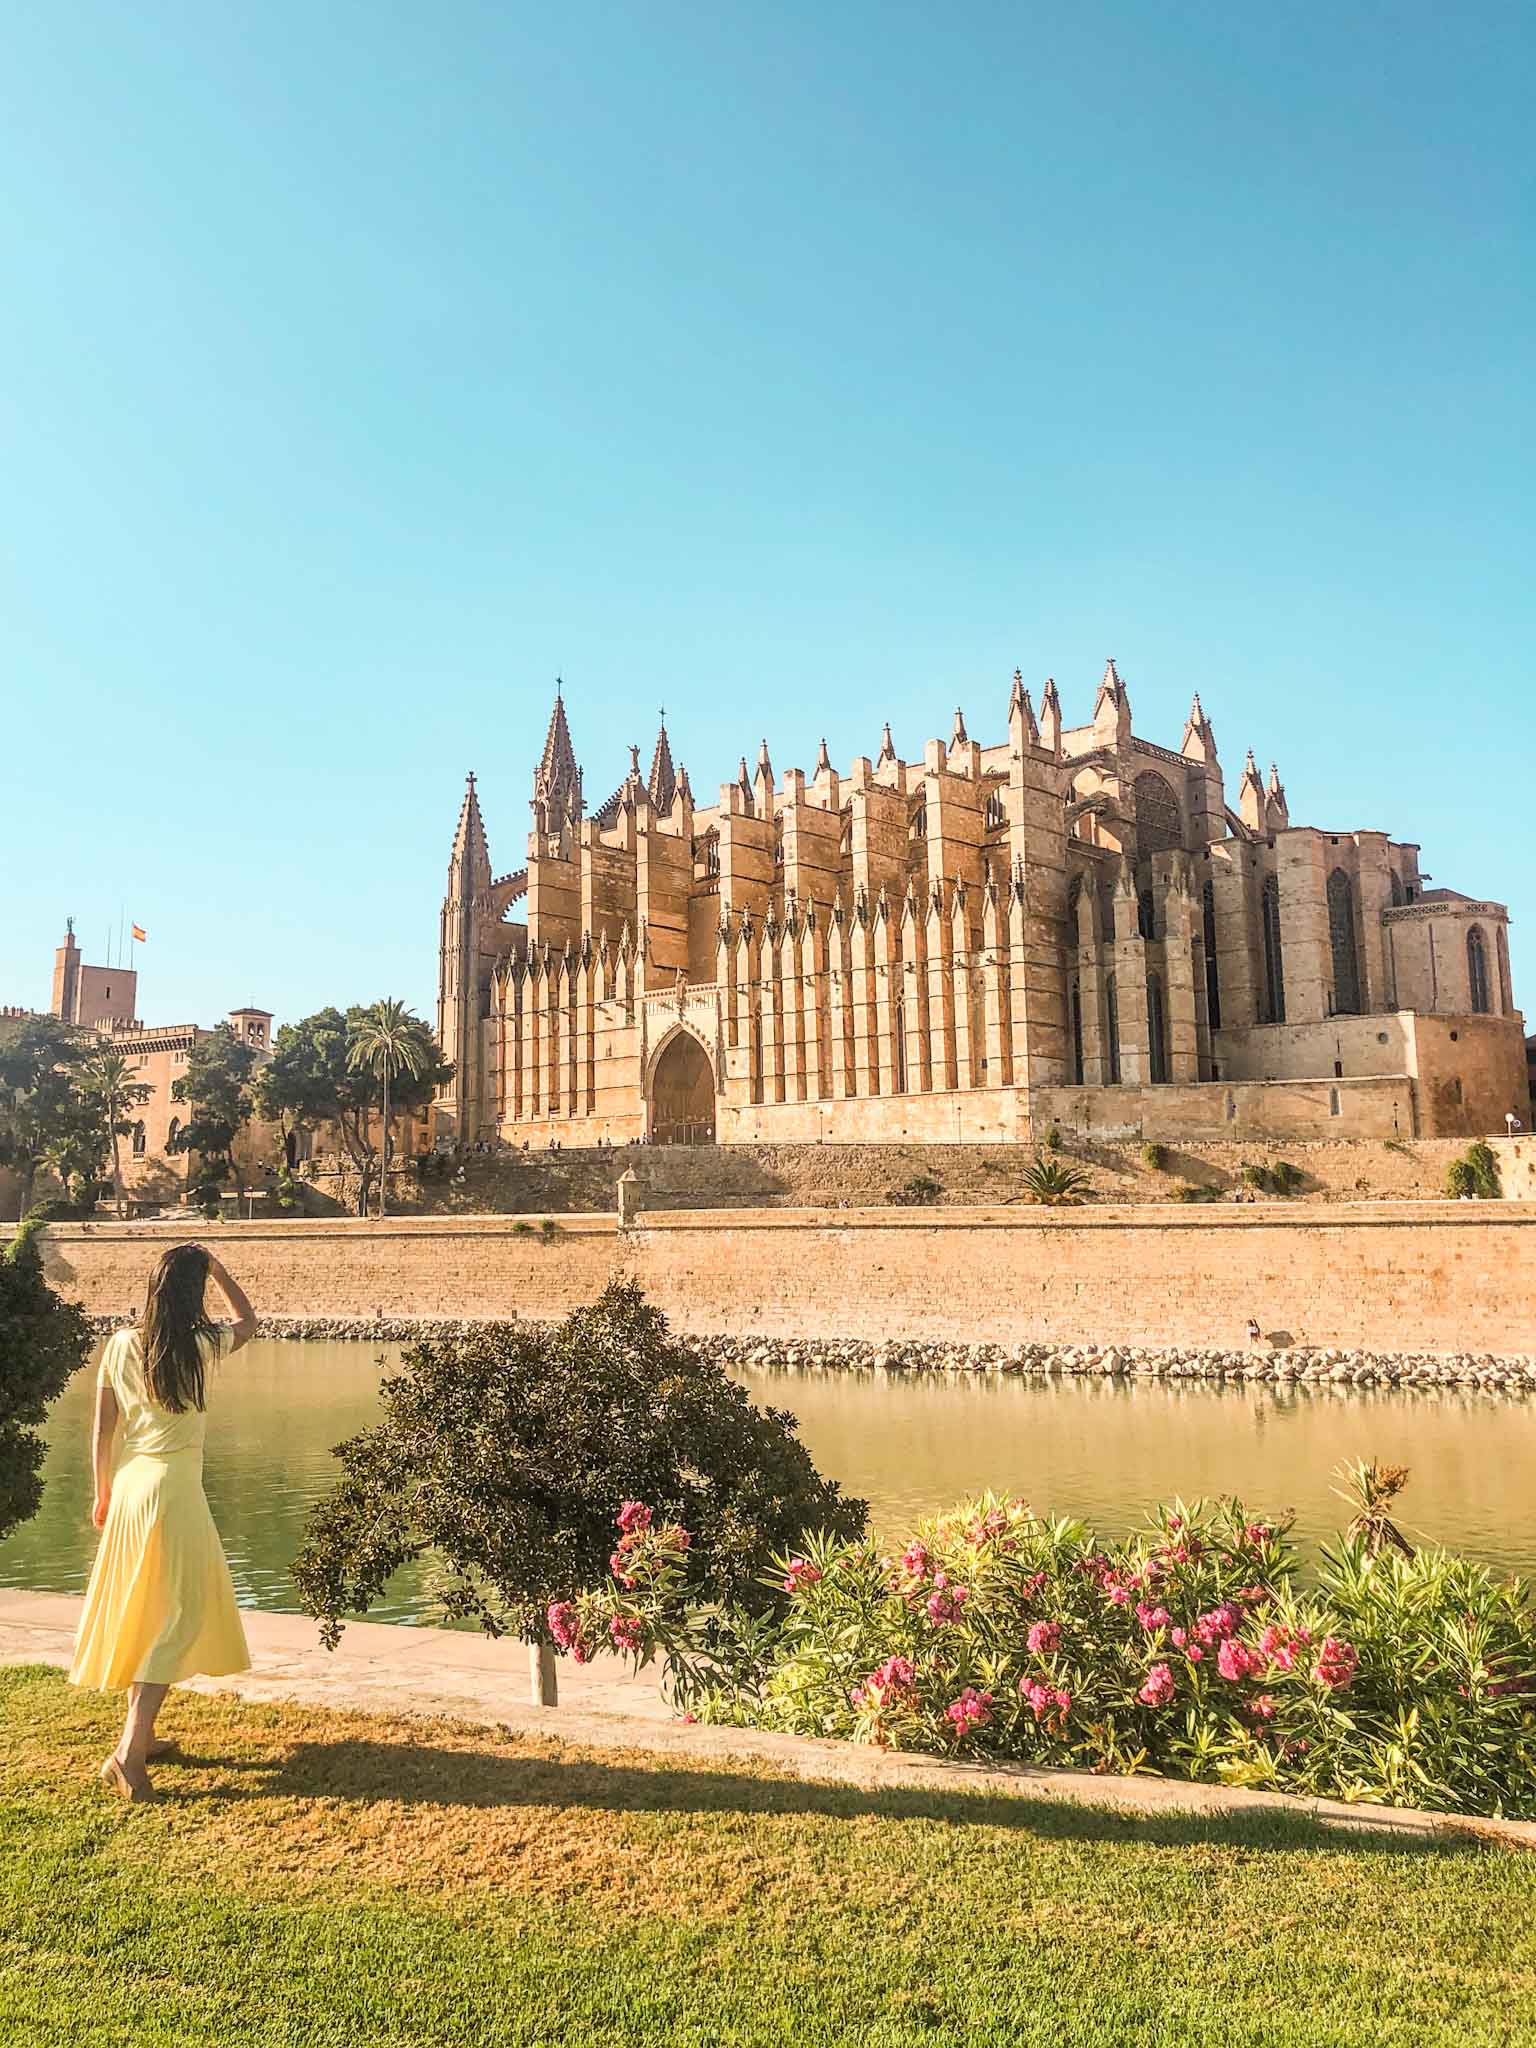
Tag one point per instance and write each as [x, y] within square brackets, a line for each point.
[364, 366]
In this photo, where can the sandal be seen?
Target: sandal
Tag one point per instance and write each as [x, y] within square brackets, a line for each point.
[117, 1780]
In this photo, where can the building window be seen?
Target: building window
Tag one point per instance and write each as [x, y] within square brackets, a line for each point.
[1341, 936]
[140, 1139]
[996, 817]
[1212, 978]
[1146, 914]
[1112, 1028]
[1274, 959]
[1159, 825]
[1397, 890]
[918, 829]
[1077, 1033]
[1502, 946]
[1157, 1030]
[899, 1046]
[1477, 971]
[1074, 898]
[1333, 1102]
[173, 1134]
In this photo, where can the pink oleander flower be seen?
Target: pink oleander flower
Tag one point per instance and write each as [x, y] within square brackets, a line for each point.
[1194, 1653]
[1046, 1702]
[618, 1564]
[681, 1540]
[1044, 1638]
[1236, 1661]
[1151, 1617]
[1255, 1596]
[1263, 1706]
[1158, 1688]
[914, 1561]
[1337, 1663]
[1221, 1622]
[946, 1604]
[1257, 1534]
[633, 1517]
[1175, 1521]
[565, 1627]
[1178, 1637]
[1118, 1595]
[1034, 1585]
[801, 1573]
[973, 1709]
[627, 1632]
[895, 1674]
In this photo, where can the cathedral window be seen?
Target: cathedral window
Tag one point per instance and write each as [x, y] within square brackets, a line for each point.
[1159, 824]
[1274, 958]
[1502, 946]
[1157, 1030]
[1212, 977]
[1341, 937]
[996, 816]
[1112, 1028]
[1074, 899]
[1146, 914]
[140, 1140]
[918, 828]
[173, 1134]
[1477, 971]
[899, 1046]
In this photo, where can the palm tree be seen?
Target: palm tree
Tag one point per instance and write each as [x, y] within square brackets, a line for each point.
[389, 1039]
[108, 1086]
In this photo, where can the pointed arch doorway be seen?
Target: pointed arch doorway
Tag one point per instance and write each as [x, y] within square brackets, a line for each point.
[680, 1098]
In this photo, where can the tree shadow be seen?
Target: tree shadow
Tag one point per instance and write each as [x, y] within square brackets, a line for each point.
[362, 1771]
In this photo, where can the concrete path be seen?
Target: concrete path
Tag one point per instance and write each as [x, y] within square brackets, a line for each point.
[445, 1673]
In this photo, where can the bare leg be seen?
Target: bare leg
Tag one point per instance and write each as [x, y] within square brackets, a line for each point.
[144, 1703]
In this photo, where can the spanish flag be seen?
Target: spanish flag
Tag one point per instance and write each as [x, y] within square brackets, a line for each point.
[138, 933]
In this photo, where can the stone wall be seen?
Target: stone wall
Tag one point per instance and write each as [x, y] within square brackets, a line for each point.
[1442, 1277]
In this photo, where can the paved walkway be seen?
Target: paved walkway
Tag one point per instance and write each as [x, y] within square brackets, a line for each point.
[447, 1673]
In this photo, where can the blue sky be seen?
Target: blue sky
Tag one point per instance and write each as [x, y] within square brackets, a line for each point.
[362, 367]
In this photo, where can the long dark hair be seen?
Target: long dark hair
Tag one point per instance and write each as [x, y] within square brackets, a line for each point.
[176, 1324]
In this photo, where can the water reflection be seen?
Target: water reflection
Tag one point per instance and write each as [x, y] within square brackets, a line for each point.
[1094, 1448]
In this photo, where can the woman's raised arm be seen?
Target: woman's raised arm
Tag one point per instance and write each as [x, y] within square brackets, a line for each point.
[245, 1316]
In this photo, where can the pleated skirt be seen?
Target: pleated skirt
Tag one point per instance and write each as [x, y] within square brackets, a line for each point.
[160, 1605]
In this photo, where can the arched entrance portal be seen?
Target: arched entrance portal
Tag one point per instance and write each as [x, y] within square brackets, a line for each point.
[682, 1101]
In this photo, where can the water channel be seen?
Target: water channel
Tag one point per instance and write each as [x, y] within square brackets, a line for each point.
[1099, 1449]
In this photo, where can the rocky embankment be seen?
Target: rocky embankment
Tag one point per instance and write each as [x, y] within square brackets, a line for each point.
[1332, 1366]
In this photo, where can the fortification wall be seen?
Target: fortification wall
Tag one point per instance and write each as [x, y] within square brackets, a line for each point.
[1393, 1276]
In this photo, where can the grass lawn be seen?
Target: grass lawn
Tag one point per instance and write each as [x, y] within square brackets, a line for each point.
[340, 1878]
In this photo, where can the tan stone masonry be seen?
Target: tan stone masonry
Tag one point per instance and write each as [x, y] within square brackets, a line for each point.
[1394, 1276]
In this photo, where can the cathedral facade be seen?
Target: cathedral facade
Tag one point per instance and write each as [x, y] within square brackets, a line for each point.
[1066, 925]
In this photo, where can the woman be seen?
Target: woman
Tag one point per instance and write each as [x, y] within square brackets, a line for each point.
[161, 1604]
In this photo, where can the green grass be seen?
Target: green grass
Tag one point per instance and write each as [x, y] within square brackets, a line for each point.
[309, 1878]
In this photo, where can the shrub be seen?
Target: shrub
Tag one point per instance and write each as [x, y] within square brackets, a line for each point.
[1054, 1182]
[1459, 1181]
[58, 1209]
[1275, 1177]
[1192, 1649]
[920, 1192]
[502, 1453]
[1155, 1156]
[1053, 1138]
[43, 1339]
[1485, 1171]
[1196, 1191]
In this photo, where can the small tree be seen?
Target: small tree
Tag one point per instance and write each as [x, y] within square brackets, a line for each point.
[218, 1089]
[39, 1103]
[505, 1454]
[108, 1091]
[1054, 1183]
[43, 1339]
[388, 1039]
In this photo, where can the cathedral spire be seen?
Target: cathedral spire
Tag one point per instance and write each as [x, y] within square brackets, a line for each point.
[1021, 712]
[557, 779]
[959, 737]
[887, 746]
[1050, 716]
[1112, 706]
[662, 781]
[1250, 796]
[1199, 743]
[469, 865]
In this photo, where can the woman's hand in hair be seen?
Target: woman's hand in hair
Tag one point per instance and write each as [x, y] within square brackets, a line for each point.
[245, 1316]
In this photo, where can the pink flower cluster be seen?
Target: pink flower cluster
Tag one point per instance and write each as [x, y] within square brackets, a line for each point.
[801, 1573]
[1337, 1663]
[1234, 1660]
[1158, 1687]
[642, 1547]
[627, 1633]
[973, 1709]
[565, 1627]
[634, 1517]
[1151, 1616]
[1046, 1702]
[946, 1599]
[887, 1683]
[1279, 1646]
[1044, 1638]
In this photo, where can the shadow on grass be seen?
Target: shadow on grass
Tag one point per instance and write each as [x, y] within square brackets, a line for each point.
[365, 1771]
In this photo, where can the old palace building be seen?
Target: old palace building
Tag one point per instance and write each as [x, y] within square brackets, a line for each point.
[1068, 925]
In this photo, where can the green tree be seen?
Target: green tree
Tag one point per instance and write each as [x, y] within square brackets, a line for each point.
[505, 1454]
[310, 1081]
[43, 1339]
[39, 1102]
[108, 1092]
[218, 1089]
[388, 1039]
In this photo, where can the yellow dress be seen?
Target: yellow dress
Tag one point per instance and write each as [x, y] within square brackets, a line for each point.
[160, 1605]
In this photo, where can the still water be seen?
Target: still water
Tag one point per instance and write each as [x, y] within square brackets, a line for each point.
[1100, 1450]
